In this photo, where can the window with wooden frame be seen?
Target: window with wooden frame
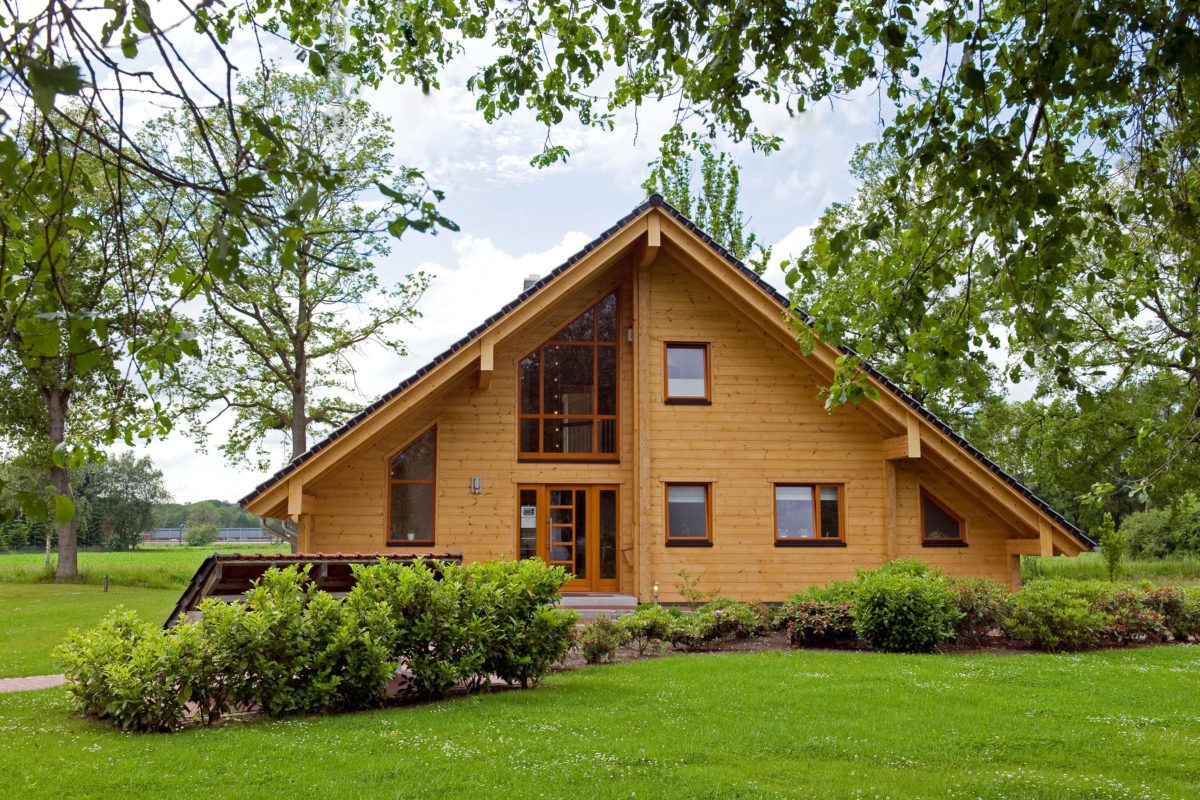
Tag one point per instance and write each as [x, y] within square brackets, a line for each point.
[810, 514]
[568, 394]
[940, 525]
[687, 373]
[411, 492]
[689, 514]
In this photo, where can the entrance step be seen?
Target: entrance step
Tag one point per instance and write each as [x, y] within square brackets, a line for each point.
[592, 605]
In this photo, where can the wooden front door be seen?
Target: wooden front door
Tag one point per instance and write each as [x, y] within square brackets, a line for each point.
[573, 527]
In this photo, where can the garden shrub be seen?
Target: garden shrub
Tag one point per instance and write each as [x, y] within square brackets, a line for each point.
[601, 640]
[732, 619]
[201, 535]
[982, 603]
[1052, 615]
[813, 623]
[525, 636]
[648, 628]
[900, 609]
[1134, 619]
[911, 567]
[1179, 608]
[129, 672]
[1150, 533]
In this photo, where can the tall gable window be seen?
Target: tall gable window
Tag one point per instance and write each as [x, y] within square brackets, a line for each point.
[411, 479]
[568, 390]
[939, 525]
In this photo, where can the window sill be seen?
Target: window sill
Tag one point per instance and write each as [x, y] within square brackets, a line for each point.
[411, 543]
[688, 543]
[947, 543]
[688, 401]
[809, 543]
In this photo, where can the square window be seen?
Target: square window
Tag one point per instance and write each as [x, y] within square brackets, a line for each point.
[808, 514]
[687, 373]
[688, 519]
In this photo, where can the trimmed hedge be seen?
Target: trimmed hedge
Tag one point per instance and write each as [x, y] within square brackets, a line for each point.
[294, 648]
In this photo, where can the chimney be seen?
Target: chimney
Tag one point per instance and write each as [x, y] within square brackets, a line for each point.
[530, 281]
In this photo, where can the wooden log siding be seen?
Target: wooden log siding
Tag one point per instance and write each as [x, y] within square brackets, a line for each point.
[766, 425]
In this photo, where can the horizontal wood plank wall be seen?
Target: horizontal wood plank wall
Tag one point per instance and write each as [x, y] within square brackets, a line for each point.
[766, 425]
[477, 435]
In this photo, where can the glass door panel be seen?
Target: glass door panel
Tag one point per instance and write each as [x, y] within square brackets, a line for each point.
[573, 527]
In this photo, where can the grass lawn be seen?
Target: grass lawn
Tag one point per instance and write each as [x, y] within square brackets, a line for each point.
[812, 724]
[34, 618]
[1180, 571]
[152, 567]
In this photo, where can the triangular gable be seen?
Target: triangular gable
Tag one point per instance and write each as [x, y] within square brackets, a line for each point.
[640, 226]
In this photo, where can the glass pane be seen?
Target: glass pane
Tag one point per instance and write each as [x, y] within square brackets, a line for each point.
[529, 384]
[567, 374]
[529, 436]
[606, 380]
[608, 436]
[685, 372]
[580, 534]
[561, 516]
[608, 533]
[580, 330]
[560, 497]
[561, 534]
[938, 523]
[415, 462]
[830, 517]
[687, 515]
[412, 512]
[794, 512]
[568, 436]
[560, 554]
[528, 522]
[607, 319]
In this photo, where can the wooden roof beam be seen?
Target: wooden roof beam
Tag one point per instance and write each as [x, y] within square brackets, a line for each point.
[487, 361]
[653, 239]
[907, 444]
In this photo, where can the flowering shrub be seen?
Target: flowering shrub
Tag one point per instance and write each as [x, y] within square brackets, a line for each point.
[1133, 618]
[601, 640]
[1179, 608]
[810, 622]
[982, 603]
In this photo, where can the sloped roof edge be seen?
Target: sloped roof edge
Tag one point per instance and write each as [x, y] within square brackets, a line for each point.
[657, 201]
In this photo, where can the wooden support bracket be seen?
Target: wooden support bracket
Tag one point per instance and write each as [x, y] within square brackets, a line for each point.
[299, 502]
[653, 240]
[487, 362]
[907, 444]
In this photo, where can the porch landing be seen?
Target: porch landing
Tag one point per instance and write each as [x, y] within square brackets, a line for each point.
[591, 605]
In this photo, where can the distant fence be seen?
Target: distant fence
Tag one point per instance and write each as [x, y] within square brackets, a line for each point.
[175, 535]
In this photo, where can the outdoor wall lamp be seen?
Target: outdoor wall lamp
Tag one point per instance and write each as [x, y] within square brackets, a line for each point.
[476, 484]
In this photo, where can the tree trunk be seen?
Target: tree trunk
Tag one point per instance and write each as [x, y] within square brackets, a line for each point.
[60, 479]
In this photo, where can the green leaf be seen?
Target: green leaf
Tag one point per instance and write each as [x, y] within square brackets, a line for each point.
[64, 509]
[47, 81]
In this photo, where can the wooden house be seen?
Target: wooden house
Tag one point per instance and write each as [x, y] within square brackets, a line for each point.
[644, 410]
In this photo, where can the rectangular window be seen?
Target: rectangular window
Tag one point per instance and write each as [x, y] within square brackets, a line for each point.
[687, 373]
[412, 499]
[809, 514]
[689, 521]
[939, 525]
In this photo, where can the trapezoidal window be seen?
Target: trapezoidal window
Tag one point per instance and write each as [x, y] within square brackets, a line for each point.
[411, 492]
[568, 390]
[939, 525]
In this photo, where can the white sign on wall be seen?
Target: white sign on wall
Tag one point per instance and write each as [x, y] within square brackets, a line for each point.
[528, 516]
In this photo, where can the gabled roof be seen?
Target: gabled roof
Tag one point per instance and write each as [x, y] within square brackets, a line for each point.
[657, 201]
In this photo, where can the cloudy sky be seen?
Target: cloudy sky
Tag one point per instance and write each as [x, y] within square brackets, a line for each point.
[517, 220]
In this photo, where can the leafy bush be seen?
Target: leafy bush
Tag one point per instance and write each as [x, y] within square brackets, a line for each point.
[200, 535]
[1134, 619]
[601, 640]
[1179, 608]
[911, 567]
[1052, 615]
[898, 609]
[836, 592]
[732, 619]
[129, 672]
[982, 603]
[526, 637]
[1150, 533]
[648, 627]
[811, 622]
